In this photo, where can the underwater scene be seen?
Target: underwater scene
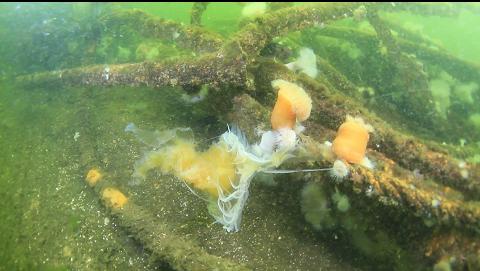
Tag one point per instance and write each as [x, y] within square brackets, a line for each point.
[240, 136]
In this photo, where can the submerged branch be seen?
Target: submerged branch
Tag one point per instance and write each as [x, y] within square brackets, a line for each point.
[228, 66]
[185, 36]
[165, 246]
[253, 37]
[211, 69]
[198, 9]
[459, 68]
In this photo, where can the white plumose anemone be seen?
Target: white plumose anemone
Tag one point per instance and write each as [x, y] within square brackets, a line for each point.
[287, 139]
[230, 205]
[268, 142]
[339, 170]
[281, 139]
[306, 63]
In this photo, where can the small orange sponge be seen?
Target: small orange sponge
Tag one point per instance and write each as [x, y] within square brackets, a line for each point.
[114, 198]
[93, 176]
[351, 141]
[292, 104]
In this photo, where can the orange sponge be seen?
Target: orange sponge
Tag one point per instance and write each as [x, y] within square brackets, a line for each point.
[93, 176]
[114, 198]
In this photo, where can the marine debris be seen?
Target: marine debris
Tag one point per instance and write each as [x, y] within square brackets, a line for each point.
[440, 209]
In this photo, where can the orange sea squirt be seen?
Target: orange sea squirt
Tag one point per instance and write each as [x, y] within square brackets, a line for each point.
[292, 104]
[114, 198]
[351, 141]
[93, 176]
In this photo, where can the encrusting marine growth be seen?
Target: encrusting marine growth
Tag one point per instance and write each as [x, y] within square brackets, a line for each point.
[93, 176]
[113, 198]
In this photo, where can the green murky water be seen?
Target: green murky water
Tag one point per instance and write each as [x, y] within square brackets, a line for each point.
[411, 71]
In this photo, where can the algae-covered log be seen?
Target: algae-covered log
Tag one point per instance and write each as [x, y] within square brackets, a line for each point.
[198, 9]
[330, 109]
[455, 248]
[426, 9]
[246, 44]
[397, 84]
[228, 66]
[397, 190]
[410, 81]
[392, 187]
[461, 69]
[192, 37]
[254, 36]
[164, 245]
[211, 69]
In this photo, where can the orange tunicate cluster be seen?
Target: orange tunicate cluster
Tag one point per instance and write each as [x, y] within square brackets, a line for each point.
[114, 198]
[293, 104]
[351, 141]
[93, 176]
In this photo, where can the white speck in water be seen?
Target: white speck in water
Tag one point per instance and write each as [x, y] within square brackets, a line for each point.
[464, 173]
[76, 136]
[369, 191]
[106, 73]
[463, 169]
[175, 35]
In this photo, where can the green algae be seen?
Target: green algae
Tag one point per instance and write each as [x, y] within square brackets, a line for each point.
[59, 221]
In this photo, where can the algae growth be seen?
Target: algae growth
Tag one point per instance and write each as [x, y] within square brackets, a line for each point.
[73, 76]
